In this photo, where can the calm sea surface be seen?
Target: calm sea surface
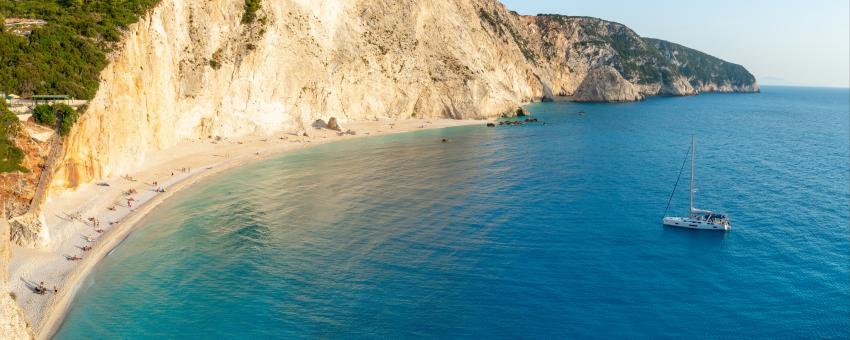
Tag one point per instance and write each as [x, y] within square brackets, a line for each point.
[543, 231]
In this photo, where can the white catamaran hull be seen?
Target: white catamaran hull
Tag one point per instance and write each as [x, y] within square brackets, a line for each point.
[689, 223]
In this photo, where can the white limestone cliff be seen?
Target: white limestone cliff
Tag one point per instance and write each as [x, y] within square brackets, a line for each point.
[191, 69]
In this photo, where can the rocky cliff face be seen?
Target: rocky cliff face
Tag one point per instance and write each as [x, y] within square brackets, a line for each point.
[704, 72]
[570, 48]
[191, 69]
[605, 83]
[567, 50]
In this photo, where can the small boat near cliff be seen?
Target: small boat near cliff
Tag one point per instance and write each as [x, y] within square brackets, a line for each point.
[698, 218]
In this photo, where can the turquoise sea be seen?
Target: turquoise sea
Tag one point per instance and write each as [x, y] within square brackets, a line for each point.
[540, 231]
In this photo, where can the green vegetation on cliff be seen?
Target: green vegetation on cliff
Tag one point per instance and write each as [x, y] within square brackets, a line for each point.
[251, 8]
[702, 68]
[648, 61]
[48, 115]
[44, 115]
[10, 155]
[63, 56]
[638, 61]
[66, 55]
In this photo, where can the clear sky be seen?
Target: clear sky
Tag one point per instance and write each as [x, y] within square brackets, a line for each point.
[783, 42]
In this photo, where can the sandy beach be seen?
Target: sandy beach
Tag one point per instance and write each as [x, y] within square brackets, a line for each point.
[69, 214]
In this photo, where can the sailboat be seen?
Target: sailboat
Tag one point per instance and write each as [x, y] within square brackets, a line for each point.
[698, 218]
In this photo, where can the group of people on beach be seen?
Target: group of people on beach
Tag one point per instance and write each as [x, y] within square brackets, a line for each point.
[157, 187]
[41, 289]
[95, 224]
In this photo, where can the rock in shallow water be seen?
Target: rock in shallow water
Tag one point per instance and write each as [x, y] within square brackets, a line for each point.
[522, 112]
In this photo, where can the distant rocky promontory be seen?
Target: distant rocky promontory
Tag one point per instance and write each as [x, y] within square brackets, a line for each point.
[590, 59]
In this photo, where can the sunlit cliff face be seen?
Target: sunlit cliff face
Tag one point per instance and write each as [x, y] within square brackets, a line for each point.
[191, 69]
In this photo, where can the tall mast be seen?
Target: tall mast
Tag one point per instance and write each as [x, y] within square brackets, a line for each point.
[693, 156]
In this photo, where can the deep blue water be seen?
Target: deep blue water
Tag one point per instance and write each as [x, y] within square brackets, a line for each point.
[513, 232]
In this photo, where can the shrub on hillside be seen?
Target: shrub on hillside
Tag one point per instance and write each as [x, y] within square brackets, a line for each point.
[251, 8]
[69, 118]
[44, 115]
[48, 115]
[11, 156]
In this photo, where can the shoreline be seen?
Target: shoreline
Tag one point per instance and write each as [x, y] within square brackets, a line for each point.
[46, 313]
